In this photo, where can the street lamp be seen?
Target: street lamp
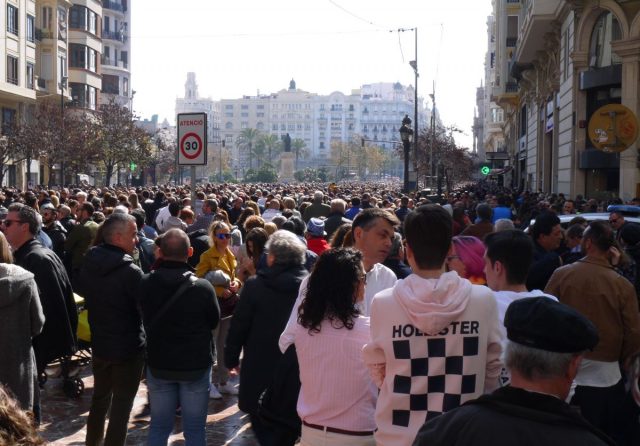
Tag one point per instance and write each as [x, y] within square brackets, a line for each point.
[63, 85]
[406, 132]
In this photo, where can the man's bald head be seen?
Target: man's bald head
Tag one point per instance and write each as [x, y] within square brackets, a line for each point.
[174, 245]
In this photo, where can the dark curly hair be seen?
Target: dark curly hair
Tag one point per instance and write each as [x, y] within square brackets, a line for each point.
[331, 290]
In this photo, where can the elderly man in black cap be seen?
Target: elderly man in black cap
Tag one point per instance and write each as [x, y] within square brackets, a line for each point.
[546, 342]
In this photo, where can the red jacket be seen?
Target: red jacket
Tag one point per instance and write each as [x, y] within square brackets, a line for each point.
[317, 245]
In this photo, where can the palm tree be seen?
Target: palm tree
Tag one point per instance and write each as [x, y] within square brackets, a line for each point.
[271, 144]
[247, 141]
[300, 148]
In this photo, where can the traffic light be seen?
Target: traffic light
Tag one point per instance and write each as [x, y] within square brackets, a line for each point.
[485, 169]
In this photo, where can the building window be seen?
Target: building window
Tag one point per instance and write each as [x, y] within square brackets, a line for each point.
[62, 66]
[8, 119]
[12, 70]
[30, 75]
[260, 107]
[83, 57]
[260, 126]
[274, 127]
[605, 30]
[228, 114]
[110, 84]
[47, 17]
[228, 126]
[260, 115]
[244, 115]
[244, 125]
[84, 19]
[12, 19]
[124, 57]
[228, 107]
[125, 86]
[83, 95]
[31, 28]
[244, 107]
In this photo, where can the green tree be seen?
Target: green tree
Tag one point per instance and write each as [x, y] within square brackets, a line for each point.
[265, 174]
[300, 148]
[269, 144]
[246, 142]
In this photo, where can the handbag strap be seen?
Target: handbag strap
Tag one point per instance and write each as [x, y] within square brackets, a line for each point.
[191, 279]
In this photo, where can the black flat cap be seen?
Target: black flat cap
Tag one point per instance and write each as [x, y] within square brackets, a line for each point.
[543, 323]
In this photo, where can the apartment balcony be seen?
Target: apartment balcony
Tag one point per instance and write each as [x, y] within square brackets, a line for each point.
[536, 19]
[118, 36]
[114, 6]
[506, 95]
[111, 62]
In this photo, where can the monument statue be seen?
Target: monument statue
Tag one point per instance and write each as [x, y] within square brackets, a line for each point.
[286, 140]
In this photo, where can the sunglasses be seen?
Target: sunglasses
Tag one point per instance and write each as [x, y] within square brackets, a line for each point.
[223, 236]
[8, 223]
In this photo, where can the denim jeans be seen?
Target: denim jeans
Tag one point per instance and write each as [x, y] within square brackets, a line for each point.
[164, 398]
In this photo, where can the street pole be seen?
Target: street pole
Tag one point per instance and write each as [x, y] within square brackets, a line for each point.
[433, 132]
[63, 84]
[221, 147]
[416, 125]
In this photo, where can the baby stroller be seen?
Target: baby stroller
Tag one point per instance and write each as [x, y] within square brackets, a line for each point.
[69, 367]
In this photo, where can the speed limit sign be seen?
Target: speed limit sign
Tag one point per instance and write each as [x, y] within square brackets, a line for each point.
[192, 139]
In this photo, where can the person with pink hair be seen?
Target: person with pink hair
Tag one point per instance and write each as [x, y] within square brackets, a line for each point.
[467, 258]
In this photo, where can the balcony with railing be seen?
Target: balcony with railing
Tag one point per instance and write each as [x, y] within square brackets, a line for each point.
[511, 87]
[114, 6]
[114, 35]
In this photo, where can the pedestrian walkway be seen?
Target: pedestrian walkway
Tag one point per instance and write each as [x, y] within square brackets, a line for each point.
[64, 419]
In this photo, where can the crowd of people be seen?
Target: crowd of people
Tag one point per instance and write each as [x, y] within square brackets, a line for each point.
[354, 314]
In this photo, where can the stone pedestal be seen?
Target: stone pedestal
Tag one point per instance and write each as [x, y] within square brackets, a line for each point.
[287, 162]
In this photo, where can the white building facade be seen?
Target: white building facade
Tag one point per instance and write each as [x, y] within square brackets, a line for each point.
[373, 112]
[116, 53]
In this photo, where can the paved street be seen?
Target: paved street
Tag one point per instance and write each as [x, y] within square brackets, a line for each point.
[64, 419]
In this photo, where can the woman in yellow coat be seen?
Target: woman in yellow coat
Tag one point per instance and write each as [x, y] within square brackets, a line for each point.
[218, 265]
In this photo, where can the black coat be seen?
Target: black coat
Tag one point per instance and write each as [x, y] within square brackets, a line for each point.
[543, 265]
[511, 416]
[181, 339]
[109, 281]
[58, 337]
[259, 318]
[333, 222]
[58, 234]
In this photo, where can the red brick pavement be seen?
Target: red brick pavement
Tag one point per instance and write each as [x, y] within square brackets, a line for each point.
[64, 419]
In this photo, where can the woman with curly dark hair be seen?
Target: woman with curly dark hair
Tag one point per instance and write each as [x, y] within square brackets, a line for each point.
[337, 396]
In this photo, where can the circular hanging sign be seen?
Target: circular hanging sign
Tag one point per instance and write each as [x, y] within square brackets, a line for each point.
[613, 128]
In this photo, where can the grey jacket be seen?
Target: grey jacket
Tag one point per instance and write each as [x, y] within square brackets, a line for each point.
[21, 318]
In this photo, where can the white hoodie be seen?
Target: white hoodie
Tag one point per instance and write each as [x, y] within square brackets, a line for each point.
[435, 344]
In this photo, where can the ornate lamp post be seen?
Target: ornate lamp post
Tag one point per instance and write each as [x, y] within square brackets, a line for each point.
[406, 133]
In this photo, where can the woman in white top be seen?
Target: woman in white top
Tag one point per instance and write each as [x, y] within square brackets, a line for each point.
[337, 396]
